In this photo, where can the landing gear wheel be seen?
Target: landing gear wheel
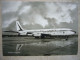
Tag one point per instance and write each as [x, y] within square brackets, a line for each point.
[66, 38]
[42, 36]
[36, 37]
[18, 34]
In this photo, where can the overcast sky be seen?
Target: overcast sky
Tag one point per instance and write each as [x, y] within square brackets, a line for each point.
[39, 15]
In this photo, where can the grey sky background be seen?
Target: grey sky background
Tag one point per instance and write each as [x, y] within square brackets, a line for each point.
[39, 15]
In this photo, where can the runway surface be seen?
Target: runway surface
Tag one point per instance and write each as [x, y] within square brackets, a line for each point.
[29, 46]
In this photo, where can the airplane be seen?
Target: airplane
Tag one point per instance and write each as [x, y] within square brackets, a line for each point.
[42, 33]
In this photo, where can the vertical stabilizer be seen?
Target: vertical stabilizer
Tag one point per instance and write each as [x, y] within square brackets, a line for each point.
[18, 26]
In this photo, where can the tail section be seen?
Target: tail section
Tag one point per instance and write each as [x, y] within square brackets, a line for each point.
[18, 26]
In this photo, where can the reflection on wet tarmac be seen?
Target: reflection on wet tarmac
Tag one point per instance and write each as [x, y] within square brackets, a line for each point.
[39, 47]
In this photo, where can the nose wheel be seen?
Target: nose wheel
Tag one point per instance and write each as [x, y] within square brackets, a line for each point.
[66, 38]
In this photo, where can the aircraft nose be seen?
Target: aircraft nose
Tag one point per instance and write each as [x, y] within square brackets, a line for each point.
[74, 32]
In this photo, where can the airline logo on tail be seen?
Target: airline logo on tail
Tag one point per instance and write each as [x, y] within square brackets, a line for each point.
[18, 26]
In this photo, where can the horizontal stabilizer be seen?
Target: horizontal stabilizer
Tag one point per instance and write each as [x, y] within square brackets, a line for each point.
[11, 31]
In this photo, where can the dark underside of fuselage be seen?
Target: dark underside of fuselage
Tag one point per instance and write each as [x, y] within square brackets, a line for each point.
[43, 36]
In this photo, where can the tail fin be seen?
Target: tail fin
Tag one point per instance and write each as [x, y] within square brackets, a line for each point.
[18, 26]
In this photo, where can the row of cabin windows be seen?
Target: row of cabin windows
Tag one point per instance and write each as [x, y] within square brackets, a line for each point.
[47, 31]
[53, 33]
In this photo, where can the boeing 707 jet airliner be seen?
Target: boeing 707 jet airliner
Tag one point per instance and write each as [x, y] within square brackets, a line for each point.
[42, 33]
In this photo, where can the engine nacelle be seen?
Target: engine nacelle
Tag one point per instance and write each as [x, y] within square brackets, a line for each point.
[21, 33]
[29, 34]
[36, 34]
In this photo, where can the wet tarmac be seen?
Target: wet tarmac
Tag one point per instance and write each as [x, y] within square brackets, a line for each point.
[29, 46]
